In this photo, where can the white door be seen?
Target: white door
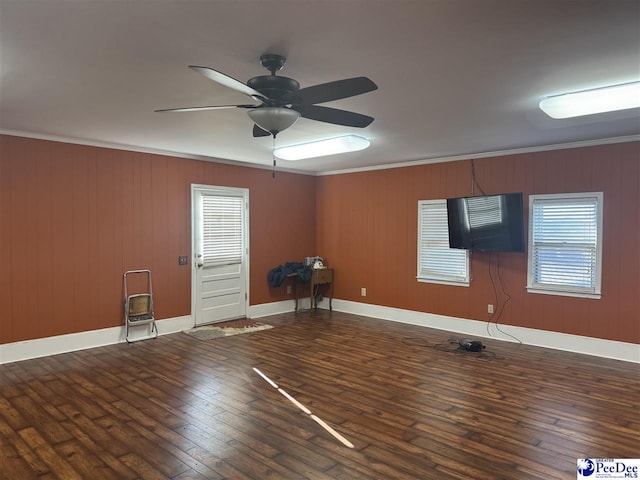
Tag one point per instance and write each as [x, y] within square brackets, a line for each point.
[221, 253]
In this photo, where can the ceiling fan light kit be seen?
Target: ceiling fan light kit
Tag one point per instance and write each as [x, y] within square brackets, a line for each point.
[320, 148]
[274, 119]
[589, 102]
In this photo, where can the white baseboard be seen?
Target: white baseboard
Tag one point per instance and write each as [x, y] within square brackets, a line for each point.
[628, 352]
[42, 347]
[273, 308]
[286, 306]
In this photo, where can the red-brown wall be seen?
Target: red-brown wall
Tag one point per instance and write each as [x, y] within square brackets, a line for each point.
[367, 230]
[74, 218]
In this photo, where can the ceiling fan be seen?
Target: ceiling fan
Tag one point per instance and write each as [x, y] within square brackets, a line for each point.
[281, 101]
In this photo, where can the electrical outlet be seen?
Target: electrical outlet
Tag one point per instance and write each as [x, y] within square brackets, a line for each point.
[289, 289]
[490, 308]
[183, 260]
[363, 292]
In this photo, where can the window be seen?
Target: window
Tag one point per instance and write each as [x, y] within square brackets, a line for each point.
[437, 262]
[565, 244]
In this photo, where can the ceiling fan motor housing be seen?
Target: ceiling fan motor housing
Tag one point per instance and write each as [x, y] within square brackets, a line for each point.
[278, 90]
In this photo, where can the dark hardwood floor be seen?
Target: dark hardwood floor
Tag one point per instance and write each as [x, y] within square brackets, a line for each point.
[181, 408]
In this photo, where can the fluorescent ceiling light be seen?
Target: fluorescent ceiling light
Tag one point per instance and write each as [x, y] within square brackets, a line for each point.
[330, 146]
[588, 102]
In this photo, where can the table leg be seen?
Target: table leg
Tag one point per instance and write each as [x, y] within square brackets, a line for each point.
[330, 294]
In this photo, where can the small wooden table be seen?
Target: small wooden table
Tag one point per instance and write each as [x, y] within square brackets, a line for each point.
[319, 276]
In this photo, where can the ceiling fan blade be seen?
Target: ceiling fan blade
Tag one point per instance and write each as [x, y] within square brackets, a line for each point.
[228, 81]
[209, 107]
[326, 92]
[259, 132]
[335, 116]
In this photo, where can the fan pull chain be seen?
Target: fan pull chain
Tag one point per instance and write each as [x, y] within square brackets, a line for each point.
[273, 154]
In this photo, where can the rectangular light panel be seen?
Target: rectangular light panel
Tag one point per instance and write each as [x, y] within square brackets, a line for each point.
[330, 146]
[589, 102]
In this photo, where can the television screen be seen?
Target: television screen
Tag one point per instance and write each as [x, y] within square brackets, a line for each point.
[490, 223]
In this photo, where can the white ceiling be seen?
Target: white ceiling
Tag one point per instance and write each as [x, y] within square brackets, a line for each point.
[455, 77]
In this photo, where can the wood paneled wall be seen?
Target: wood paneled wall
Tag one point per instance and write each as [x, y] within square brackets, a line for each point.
[74, 218]
[367, 229]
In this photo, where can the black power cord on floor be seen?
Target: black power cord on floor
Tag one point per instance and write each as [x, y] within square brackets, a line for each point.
[455, 346]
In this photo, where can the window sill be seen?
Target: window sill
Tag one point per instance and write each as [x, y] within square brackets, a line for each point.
[564, 293]
[442, 282]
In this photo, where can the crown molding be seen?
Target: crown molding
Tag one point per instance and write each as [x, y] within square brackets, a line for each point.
[386, 166]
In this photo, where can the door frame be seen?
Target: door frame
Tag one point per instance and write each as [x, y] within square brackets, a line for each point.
[217, 189]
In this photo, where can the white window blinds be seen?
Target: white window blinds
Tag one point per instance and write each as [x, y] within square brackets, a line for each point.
[436, 261]
[565, 244]
[222, 229]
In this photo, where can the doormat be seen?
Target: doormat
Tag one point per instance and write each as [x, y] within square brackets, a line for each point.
[227, 329]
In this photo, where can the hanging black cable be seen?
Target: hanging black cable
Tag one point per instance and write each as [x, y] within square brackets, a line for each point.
[501, 310]
[495, 295]
[473, 177]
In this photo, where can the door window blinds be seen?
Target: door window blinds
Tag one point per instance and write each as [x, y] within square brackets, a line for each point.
[222, 229]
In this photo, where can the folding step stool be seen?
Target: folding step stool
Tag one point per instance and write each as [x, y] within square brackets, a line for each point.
[138, 309]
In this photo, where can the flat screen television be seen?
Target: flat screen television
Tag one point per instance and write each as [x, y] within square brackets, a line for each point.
[489, 223]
